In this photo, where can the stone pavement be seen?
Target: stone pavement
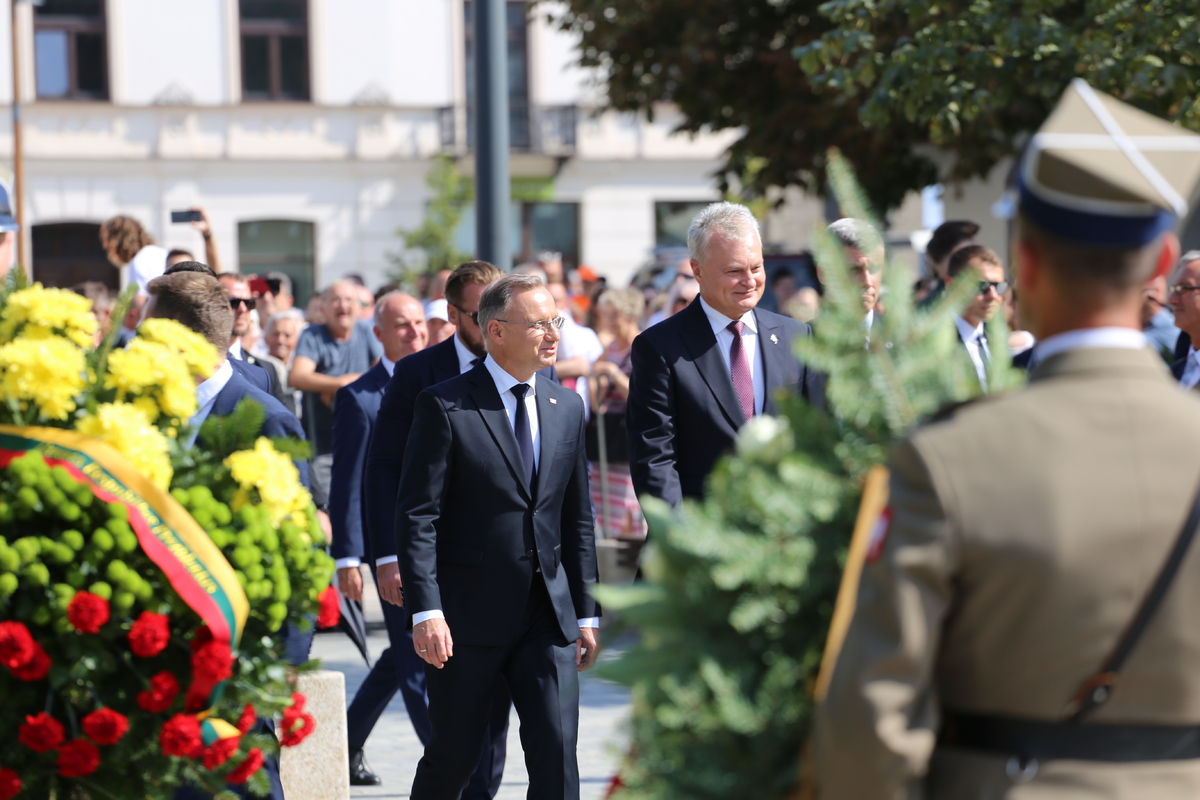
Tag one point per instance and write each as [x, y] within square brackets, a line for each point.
[393, 750]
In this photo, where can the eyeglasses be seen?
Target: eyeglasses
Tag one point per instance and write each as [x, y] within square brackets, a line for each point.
[1000, 286]
[1182, 288]
[248, 302]
[474, 315]
[542, 326]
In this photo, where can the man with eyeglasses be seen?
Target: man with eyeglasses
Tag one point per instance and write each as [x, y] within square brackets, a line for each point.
[1183, 297]
[972, 322]
[242, 301]
[496, 539]
[412, 375]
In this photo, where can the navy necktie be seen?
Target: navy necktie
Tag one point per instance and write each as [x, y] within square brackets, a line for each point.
[523, 431]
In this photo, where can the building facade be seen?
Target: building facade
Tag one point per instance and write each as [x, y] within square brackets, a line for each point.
[306, 129]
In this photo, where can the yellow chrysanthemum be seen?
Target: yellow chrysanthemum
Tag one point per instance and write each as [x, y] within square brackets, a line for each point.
[39, 313]
[196, 351]
[128, 429]
[275, 477]
[148, 370]
[46, 371]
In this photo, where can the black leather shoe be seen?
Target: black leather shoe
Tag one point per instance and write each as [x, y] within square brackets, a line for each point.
[359, 774]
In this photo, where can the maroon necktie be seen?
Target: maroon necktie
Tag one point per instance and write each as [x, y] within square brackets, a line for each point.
[739, 370]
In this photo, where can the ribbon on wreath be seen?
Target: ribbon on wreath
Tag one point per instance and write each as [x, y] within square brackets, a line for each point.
[167, 534]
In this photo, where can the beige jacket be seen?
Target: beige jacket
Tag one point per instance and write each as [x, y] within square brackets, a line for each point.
[1026, 529]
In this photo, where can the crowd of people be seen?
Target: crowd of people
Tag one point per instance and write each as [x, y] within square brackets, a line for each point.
[474, 434]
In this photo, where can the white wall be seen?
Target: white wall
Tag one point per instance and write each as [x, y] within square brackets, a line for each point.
[165, 42]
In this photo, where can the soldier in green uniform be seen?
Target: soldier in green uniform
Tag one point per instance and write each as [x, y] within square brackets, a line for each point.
[997, 650]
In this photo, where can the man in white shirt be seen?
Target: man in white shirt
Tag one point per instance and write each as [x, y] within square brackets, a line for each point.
[496, 541]
[976, 262]
[1183, 297]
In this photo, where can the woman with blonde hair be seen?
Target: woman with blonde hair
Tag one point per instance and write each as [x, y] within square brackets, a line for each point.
[618, 514]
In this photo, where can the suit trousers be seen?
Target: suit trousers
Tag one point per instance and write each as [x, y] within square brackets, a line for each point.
[399, 667]
[539, 670]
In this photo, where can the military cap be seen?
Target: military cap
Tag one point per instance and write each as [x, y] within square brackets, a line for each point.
[1102, 172]
[8, 222]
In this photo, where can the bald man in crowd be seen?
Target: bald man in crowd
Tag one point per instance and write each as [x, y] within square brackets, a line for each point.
[329, 356]
[399, 325]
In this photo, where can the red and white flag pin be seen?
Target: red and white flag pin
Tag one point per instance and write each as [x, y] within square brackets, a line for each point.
[553, 401]
[879, 535]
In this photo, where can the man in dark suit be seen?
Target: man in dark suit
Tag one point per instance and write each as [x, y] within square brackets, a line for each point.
[495, 534]
[978, 263]
[242, 301]
[198, 302]
[700, 375]
[413, 375]
[400, 328]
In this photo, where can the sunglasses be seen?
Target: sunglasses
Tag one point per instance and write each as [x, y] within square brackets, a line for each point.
[1000, 286]
[474, 315]
[249, 303]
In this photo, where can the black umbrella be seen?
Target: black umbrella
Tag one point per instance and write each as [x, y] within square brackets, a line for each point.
[354, 625]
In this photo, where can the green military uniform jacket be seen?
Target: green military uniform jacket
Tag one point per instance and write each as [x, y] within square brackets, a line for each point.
[1025, 531]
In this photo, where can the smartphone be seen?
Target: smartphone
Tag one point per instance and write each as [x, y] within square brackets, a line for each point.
[185, 216]
[259, 286]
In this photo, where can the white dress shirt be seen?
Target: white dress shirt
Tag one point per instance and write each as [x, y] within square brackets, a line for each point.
[976, 347]
[720, 327]
[235, 350]
[1085, 338]
[206, 397]
[354, 561]
[504, 383]
[1191, 372]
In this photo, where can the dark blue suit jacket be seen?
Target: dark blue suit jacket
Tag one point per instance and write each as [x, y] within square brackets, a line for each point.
[354, 410]
[279, 421]
[683, 413]
[256, 375]
[413, 375]
[472, 530]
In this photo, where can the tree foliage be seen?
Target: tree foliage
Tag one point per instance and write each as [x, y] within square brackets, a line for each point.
[972, 77]
[740, 588]
[730, 65]
[433, 239]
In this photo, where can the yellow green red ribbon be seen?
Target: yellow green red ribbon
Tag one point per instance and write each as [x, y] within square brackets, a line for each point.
[167, 534]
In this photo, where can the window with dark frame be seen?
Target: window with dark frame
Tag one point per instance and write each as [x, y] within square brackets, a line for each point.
[70, 50]
[275, 50]
[520, 114]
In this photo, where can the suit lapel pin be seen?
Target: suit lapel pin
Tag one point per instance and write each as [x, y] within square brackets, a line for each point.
[774, 339]
[553, 401]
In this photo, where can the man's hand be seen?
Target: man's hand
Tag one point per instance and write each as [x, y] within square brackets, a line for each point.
[587, 647]
[387, 576]
[326, 525]
[350, 583]
[327, 396]
[432, 641]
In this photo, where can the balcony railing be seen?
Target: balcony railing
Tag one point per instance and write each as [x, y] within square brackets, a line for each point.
[540, 130]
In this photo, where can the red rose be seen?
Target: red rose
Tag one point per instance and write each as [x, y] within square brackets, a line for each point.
[162, 693]
[149, 635]
[87, 612]
[10, 784]
[40, 733]
[220, 751]
[297, 724]
[212, 663]
[201, 637]
[250, 765]
[247, 719]
[78, 757]
[105, 726]
[330, 613]
[36, 668]
[181, 737]
[16, 645]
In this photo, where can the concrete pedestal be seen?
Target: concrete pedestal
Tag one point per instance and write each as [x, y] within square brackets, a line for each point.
[318, 768]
